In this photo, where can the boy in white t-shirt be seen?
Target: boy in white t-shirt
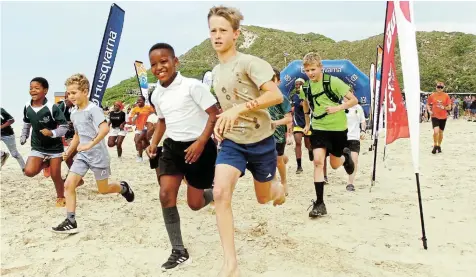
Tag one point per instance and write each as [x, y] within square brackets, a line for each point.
[355, 130]
[186, 109]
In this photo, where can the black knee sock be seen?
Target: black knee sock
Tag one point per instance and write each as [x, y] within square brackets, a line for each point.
[172, 224]
[298, 162]
[319, 186]
[208, 195]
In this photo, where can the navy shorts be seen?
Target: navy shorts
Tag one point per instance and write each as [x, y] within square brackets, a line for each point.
[259, 158]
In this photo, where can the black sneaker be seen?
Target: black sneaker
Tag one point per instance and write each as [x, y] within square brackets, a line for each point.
[350, 187]
[434, 150]
[311, 155]
[66, 227]
[349, 163]
[317, 209]
[438, 149]
[129, 194]
[299, 170]
[177, 257]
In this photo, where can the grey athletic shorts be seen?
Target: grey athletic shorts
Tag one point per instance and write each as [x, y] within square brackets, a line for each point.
[43, 155]
[80, 167]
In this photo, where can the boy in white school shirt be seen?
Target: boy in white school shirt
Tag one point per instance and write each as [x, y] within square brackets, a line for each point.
[355, 129]
[187, 110]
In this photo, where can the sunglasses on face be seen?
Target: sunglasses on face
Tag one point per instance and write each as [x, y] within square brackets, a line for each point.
[440, 87]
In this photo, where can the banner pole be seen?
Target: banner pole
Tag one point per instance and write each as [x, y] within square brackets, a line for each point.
[379, 108]
[423, 238]
[374, 85]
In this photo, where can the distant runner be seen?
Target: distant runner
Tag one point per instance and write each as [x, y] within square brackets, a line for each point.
[439, 103]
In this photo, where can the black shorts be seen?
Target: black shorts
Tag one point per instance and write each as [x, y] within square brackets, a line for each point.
[199, 174]
[333, 141]
[441, 123]
[354, 145]
[280, 148]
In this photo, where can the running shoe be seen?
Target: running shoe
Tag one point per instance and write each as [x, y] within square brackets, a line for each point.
[438, 149]
[299, 170]
[129, 194]
[60, 202]
[434, 150]
[317, 209]
[66, 227]
[350, 187]
[178, 257]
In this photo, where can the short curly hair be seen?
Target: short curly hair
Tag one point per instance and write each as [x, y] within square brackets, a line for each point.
[78, 79]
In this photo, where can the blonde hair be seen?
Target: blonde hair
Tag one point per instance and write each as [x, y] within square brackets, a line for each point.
[232, 15]
[312, 58]
[78, 79]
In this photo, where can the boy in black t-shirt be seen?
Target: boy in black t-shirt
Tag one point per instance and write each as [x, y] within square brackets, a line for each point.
[8, 137]
[117, 121]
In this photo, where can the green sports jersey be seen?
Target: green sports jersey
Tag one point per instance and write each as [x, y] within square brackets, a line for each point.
[48, 116]
[278, 112]
[331, 122]
[65, 109]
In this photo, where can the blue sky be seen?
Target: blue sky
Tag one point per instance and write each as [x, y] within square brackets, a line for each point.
[57, 39]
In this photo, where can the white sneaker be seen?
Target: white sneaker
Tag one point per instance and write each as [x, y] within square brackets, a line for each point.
[139, 159]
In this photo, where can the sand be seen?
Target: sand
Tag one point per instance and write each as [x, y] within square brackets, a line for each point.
[365, 233]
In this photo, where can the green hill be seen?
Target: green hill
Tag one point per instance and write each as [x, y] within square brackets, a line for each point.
[450, 57]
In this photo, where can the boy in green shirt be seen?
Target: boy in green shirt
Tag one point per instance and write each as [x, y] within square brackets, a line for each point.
[323, 93]
[281, 117]
[49, 125]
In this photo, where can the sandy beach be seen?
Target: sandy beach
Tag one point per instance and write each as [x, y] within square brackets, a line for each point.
[364, 234]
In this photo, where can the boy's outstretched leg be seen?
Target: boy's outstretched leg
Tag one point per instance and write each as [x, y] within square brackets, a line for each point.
[169, 187]
[77, 171]
[226, 177]
[55, 166]
[318, 206]
[69, 225]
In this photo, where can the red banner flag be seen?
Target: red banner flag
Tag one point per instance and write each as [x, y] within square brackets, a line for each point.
[396, 114]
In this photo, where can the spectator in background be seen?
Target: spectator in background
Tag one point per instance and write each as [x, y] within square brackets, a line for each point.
[467, 109]
[456, 108]
[472, 107]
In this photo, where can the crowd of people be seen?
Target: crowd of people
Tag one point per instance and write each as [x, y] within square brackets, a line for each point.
[203, 140]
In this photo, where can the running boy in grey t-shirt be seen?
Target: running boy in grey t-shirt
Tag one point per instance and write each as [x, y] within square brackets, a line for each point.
[90, 128]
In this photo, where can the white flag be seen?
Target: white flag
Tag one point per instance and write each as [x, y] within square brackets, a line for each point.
[411, 73]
